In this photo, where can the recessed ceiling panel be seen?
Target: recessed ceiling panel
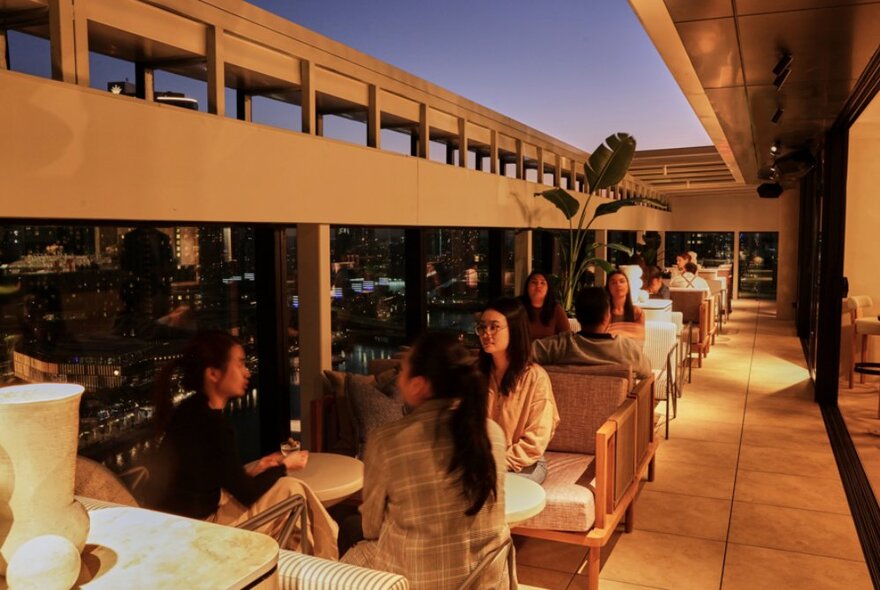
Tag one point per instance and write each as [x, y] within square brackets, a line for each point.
[825, 44]
[712, 47]
[732, 108]
[744, 7]
[682, 10]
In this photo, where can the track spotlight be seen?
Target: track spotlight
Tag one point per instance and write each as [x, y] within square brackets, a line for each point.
[774, 149]
[777, 115]
[770, 190]
[781, 78]
[783, 64]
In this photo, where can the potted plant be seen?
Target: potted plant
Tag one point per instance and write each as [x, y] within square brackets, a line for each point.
[606, 167]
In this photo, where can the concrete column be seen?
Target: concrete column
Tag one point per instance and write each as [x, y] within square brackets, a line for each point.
[493, 151]
[67, 57]
[520, 169]
[319, 125]
[307, 97]
[313, 277]
[462, 143]
[374, 118]
[540, 165]
[424, 132]
[4, 51]
[144, 82]
[573, 176]
[244, 106]
[787, 259]
[522, 258]
[557, 171]
[216, 71]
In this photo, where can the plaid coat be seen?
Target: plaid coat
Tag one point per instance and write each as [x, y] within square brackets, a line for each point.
[413, 510]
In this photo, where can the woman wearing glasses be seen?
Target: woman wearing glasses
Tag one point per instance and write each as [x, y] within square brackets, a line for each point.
[520, 397]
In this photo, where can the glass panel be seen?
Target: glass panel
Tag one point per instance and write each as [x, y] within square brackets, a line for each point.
[368, 294]
[624, 238]
[293, 328]
[508, 287]
[107, 307]
[757, 264]
[457, 272]
[712, 248]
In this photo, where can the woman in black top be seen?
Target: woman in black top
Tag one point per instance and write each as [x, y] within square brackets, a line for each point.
[201, 475]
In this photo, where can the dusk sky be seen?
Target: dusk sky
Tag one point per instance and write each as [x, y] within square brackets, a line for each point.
[577, 70]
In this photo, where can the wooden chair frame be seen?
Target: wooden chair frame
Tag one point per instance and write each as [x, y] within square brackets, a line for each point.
[617, 477]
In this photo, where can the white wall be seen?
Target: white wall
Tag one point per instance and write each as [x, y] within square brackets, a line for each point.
[749, 213]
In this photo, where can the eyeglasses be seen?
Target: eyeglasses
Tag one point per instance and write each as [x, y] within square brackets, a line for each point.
[490, 329]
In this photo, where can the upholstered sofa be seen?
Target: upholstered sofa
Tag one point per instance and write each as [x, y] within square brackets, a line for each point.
[602, 446]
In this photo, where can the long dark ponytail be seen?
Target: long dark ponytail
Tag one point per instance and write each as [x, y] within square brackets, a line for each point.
[208, 349]
[452, 373]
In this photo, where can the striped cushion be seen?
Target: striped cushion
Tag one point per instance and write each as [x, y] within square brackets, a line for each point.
[304, 572]
[570, 502]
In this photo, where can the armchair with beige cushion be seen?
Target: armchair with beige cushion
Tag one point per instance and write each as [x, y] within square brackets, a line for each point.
[602, 446]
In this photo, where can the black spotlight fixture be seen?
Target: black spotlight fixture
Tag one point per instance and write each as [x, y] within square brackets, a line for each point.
[782, 70]
[777, 115]
[783, 64]
[769, 190]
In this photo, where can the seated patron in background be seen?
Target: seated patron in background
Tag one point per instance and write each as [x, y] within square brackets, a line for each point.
[626, 319]
[546, 316]
[689, 279]
[520, 395]
[654, 284]
[201, 475]
[434, 480]
[593, 345]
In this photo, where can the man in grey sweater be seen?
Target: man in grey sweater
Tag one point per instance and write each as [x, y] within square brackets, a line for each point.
[593, 345]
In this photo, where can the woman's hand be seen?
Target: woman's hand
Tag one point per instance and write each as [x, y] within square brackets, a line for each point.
[297, 460]
[265, 463]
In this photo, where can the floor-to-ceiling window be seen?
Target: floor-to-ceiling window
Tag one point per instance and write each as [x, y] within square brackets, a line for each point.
[108, 306]
[712, 248]
[368, 294]
[758, 252]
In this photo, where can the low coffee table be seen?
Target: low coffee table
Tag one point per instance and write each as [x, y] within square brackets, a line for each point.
[523, 498]
[332, 477]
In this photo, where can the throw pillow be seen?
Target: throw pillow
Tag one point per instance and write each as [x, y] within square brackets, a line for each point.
[370, 407]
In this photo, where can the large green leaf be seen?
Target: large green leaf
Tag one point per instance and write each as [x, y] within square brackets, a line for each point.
[601, 263]
[608, 164]
[612, 246]
[615, 206]
[562, 200]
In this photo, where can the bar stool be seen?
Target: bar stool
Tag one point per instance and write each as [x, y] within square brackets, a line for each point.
[862, 326]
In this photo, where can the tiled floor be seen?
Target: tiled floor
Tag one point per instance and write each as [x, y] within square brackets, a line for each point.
[747, 494]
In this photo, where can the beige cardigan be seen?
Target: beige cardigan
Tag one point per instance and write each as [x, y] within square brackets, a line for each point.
[528, 416]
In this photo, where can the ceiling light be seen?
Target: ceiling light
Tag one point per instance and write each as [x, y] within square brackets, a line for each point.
[783, 64]
[777, 115]
[774, 149]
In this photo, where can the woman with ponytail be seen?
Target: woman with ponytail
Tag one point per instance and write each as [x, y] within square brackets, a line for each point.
[199, 473]
[520, 396]
[434, 481]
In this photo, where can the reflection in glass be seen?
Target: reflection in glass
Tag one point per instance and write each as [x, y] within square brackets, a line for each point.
[758, 252]
[107, 307]
[457, 273]
[368, 295]
[713, 248]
